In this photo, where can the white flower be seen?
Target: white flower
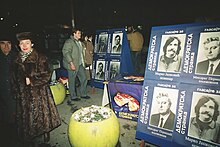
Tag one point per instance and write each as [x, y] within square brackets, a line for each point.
[92, 114]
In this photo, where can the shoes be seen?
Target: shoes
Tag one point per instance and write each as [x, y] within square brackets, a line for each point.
[85, 97]
[75, 99]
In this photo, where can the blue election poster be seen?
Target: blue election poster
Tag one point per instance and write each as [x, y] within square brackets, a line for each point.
[198, 121]
[165, 53]
[201, 62]
[158, 111]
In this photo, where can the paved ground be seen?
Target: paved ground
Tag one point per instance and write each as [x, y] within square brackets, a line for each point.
[59, 136]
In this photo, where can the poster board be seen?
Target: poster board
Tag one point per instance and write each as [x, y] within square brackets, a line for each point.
[188, 84]
[111, 47]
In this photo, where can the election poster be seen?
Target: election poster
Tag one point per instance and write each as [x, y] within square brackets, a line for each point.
[193, 87]
[158, 111]
[197, 120]
[165, 53]
[201, 61]
[111, 56]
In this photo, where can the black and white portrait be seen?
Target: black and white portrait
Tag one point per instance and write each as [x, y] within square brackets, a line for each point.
[102, 43]
[117, 43]
[204, 117]
[171, 52]
[208, 60]
[114, 69]
[100, 66]
[163, 108]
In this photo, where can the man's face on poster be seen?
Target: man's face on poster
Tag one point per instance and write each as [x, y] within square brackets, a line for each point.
[172, 48]
[100, 67]
[206, 111]
[102, 40]
[212, 50]
[117, 40]
[114, 68]
[164, 105]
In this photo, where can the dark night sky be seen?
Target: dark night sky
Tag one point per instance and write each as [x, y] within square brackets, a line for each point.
[101, 14]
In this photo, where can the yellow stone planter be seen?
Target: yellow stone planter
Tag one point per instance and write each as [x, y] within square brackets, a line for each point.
[59, 92]
[104, 133]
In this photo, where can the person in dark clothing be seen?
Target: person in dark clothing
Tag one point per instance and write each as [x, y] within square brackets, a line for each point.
[8, 102]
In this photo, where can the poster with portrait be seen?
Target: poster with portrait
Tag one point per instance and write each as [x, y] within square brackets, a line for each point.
[165, 53]
[100, 70]
[101, 43]
[201, 61]
[117, 38]
[198, 120]
[158, 111]
[114, 68]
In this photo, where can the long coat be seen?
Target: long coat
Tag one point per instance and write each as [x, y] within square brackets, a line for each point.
[36, 110]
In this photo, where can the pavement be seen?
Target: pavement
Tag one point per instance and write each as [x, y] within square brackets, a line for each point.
[59, 136]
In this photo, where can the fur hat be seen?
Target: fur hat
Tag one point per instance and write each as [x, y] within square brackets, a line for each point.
[24, 36]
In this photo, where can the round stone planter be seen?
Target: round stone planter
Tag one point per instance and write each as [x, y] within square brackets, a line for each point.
[104, 133]
[59, 92]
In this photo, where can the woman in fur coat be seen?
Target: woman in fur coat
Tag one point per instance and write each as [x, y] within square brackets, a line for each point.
[36, 111]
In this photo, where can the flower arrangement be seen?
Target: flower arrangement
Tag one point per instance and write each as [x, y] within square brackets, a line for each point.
[92, 114]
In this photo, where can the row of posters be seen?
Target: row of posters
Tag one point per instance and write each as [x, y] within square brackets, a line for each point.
[185, 52]
[111, 56]
[181, 94]
[187, 108]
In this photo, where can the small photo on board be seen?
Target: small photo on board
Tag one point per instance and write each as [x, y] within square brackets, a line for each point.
[117, 43]
[208, 59]
[114, 69]
[164, 108]
[171, 53]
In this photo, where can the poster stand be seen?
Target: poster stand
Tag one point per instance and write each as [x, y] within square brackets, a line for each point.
[109, 59]
[183, 83]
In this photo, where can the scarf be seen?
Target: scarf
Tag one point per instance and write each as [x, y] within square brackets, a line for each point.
[25, 55]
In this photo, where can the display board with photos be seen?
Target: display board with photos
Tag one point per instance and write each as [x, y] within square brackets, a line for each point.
[111, 55]
[177, 68]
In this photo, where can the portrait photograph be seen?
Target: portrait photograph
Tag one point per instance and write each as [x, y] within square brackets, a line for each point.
[171, 53]
[163, 108]
[117, 43]
[208, 59]
[100, 70]
[114, 69]
[102, 43]
[204, 122]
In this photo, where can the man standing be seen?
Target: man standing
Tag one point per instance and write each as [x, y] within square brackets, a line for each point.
[100, 74]
[73, 61]
[165, 117]
[211, 66]
[170, 61]
[136, 41]
[204, 125]
[8, 102]
[117, 47]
